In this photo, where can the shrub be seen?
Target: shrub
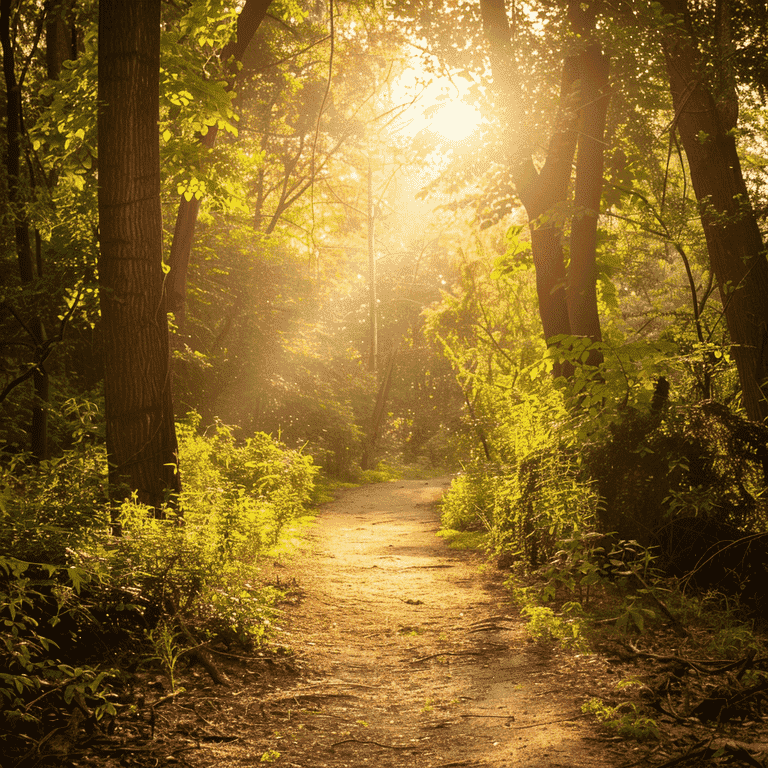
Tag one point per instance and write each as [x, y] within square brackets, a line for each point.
[534, 494]
[72, 595]
[44, 685]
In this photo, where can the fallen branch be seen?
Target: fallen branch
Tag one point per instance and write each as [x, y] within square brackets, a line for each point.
[707, 749]
[550, 722]
[165, 699]
[718, 666]
[200, 653]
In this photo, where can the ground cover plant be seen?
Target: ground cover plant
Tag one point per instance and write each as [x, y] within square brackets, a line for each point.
[84, 611]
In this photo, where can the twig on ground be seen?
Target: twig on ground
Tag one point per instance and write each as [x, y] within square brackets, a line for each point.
[369, 741]
[168, 697]
[718, 666]
[550, 722]
[446, 653]
[201, 654]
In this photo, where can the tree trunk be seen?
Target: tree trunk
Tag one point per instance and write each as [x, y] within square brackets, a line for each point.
[373, 310]
[38, 432]
[539, 191]
[564, 299]
[379, 411]
[141, 436]
[248, 22]
[59, 38]
[582, 272]
[705, 121]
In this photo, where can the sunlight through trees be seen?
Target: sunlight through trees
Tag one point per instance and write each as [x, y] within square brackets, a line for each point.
[325, 243]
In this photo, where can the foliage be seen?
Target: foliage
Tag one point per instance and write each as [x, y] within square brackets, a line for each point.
[42, 687]
[530, 503]
[163, 640]
[592, 560]
[74, 599]
[607, 450]
[53, 505]
[223, 470]
[238, 500]
[546, 626]
[624, 720]
[650, 446]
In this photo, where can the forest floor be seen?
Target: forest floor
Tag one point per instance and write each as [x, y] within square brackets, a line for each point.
[399, 651]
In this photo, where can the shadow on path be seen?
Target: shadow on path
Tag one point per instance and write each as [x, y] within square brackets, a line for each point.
[408, 656]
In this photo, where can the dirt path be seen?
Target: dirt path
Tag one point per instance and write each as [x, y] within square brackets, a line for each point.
[403, 654]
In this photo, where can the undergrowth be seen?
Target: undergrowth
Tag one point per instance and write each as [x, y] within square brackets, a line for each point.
[79, 605]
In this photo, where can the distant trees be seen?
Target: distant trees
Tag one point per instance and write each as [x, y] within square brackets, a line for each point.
[141, 438]
[18, 195]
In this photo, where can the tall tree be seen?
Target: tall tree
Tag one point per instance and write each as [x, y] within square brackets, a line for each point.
[706, 114]
[141, 437]
[567, 300]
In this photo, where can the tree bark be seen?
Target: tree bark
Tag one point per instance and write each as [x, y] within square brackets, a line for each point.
[141, 435]
[582, 272]
[705, 119]
[14, 123]
[248, 22]
[564, 299]
[59, 38]
[373, 310]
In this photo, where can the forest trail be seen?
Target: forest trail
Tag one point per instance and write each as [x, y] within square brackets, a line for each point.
[403, 654]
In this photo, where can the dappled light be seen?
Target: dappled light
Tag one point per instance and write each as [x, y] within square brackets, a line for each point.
[383, 384]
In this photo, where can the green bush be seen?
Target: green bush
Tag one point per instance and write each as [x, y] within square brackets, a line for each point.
[73, 597]
[534, 494]
[49, 507]
[242, 494]
[238, 498]
[42, 685]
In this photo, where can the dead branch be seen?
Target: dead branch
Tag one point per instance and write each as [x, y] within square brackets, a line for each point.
[201, 654]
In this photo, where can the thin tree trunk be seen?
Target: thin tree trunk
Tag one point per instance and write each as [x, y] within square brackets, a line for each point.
[379, 410]
[248, 22]
[582, 272]
[734, 242]
[373, 310]
[59, 38]
[564, 299]
[141, 436]
[24, 254]
[540, 192]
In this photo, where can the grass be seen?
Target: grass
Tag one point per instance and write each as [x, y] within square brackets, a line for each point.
[474, 540]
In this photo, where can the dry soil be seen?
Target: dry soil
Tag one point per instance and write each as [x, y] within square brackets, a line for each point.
[403, 653]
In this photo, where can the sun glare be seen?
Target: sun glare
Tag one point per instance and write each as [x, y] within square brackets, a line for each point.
[455, 121]
[437, 106]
